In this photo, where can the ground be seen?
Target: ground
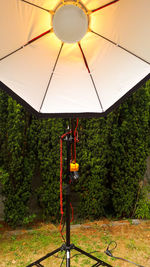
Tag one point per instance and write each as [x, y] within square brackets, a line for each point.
[21, 247]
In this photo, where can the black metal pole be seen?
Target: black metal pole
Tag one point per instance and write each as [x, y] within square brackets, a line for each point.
[68, 203]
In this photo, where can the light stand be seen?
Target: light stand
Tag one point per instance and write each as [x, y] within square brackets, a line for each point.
[67, 247]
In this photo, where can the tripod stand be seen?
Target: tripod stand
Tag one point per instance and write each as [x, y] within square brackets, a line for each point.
[67, 247]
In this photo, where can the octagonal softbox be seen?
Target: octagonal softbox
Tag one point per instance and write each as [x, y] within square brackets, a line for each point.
[73, 58]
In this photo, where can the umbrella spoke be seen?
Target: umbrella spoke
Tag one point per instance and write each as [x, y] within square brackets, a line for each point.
[35, 5]
[87, 66]
[101, 7]
[84, 58]
[39, 36]
[114, 43]
[29, 42]
[51, 76]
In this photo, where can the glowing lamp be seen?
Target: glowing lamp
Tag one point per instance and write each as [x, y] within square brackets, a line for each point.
[70, 23]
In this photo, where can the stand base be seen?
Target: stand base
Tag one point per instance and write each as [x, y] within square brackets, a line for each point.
[67, 250]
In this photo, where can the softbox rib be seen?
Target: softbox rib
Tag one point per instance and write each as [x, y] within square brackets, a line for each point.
[35, 5]
[112, 42]
[29, 42]
[96, 92]
[87, 66]
[84, 58]
[51, 75]
[106, 5]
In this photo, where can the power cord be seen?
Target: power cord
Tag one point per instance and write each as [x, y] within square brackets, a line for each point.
[109, 253]
[63, 260]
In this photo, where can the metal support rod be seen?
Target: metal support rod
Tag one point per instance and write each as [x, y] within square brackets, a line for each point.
[68, 203]
[68, 194]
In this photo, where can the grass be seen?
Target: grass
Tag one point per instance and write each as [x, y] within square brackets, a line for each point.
[21, 249]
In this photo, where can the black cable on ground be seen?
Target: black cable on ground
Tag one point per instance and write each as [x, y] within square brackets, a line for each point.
[109, 253]
[78, 254]
[63, 260]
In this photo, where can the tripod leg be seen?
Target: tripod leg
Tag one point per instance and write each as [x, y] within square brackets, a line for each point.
[91, 256]
[96, 265]
[45, 257]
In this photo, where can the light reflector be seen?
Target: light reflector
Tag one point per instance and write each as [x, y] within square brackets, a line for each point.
[75, 58]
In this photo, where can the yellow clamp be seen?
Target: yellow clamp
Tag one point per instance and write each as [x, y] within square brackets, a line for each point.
[74, 167]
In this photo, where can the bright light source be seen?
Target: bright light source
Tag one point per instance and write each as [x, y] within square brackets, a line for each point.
[70, 23]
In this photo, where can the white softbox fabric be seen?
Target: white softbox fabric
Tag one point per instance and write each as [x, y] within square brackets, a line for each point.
[88, 78]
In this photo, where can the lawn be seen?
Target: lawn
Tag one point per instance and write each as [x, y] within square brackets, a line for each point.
[21, 247]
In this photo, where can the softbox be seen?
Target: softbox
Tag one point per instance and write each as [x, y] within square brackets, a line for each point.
[73, 58]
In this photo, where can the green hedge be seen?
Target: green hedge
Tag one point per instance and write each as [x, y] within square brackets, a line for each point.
[112, 154]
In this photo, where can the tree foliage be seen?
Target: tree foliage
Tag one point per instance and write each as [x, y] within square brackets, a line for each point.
[112, 154]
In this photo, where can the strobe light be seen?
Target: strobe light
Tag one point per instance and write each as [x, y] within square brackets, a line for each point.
[70, 23]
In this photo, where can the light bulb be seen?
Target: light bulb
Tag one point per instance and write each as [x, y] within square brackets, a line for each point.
[70, 23]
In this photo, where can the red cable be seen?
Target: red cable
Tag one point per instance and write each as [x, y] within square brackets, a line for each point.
[71, 154]
[75, 140]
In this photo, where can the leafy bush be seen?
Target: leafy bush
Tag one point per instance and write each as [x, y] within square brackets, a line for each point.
[18, 162]
[129, 141]
[143, 204]
[112, 154]
[48, 159]
[92, 155]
